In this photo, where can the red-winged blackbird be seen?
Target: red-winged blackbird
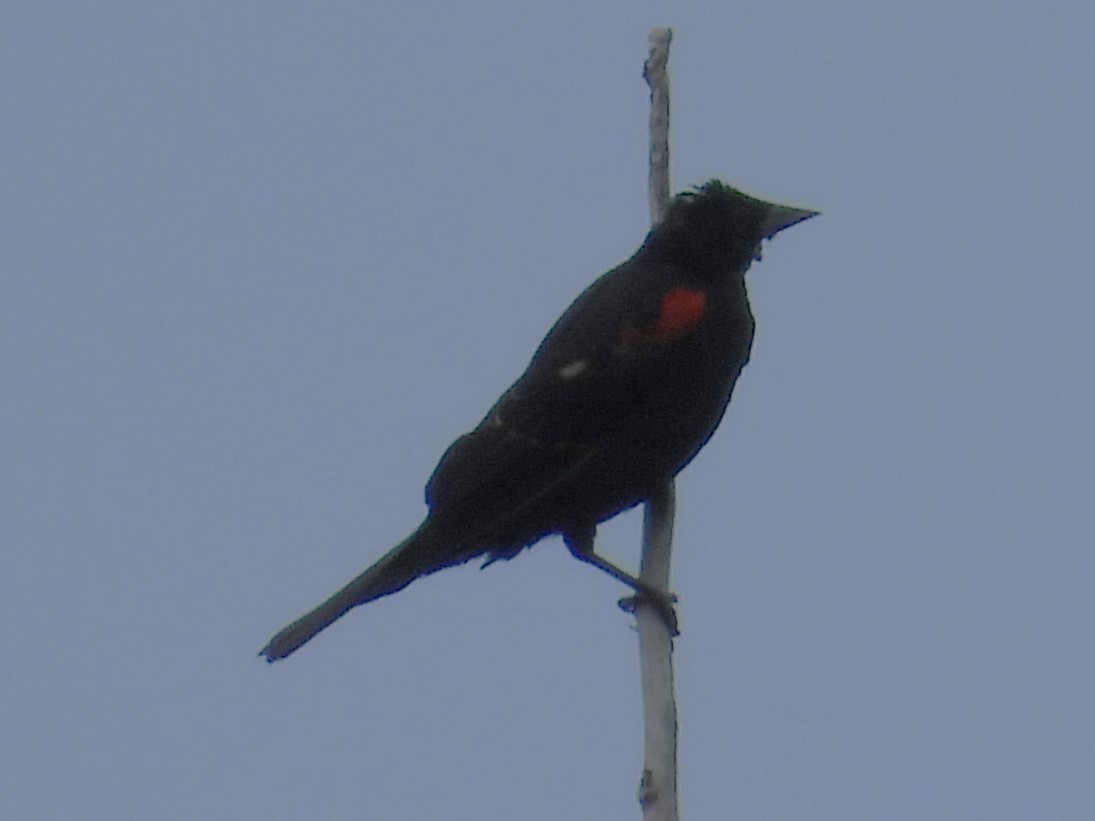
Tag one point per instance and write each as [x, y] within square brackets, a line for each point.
[624, 390]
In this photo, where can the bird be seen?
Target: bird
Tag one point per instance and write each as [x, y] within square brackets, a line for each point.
[624, 390]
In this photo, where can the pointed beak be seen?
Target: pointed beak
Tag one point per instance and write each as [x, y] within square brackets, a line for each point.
[783, 216]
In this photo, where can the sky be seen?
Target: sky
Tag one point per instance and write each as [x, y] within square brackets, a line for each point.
[261, 262]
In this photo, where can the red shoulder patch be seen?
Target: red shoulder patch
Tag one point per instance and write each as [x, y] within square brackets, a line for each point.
[681, 311]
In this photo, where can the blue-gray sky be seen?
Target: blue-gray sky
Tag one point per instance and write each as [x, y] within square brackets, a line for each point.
[261, 262]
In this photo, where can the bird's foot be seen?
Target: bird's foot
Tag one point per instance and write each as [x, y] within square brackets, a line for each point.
[660, 600]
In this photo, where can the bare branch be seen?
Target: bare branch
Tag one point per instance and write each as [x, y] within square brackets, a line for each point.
[658, 788]
[657, 77]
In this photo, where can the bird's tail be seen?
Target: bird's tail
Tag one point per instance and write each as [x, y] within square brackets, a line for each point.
[415, 556]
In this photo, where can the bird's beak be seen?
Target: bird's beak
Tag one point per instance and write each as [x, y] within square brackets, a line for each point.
[783, 216]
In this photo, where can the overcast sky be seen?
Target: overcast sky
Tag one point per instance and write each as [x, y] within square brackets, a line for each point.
[261, 262]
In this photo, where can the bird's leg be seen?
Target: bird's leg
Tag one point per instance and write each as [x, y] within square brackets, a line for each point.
[580, 544]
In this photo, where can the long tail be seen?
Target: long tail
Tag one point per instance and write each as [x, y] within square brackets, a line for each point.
[415, 556]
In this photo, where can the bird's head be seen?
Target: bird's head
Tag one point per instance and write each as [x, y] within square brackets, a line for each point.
[718, 229]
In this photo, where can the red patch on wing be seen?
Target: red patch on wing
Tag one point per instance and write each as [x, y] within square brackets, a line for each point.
[682, 309]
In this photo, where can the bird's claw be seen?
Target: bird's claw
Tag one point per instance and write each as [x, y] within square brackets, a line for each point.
[661, 601]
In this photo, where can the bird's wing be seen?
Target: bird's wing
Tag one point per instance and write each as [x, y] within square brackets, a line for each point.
[491, 475]
[582, 394]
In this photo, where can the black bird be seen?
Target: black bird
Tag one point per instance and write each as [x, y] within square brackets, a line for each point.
[622, 393]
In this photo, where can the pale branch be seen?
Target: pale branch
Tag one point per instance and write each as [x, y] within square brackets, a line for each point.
[658, 787]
